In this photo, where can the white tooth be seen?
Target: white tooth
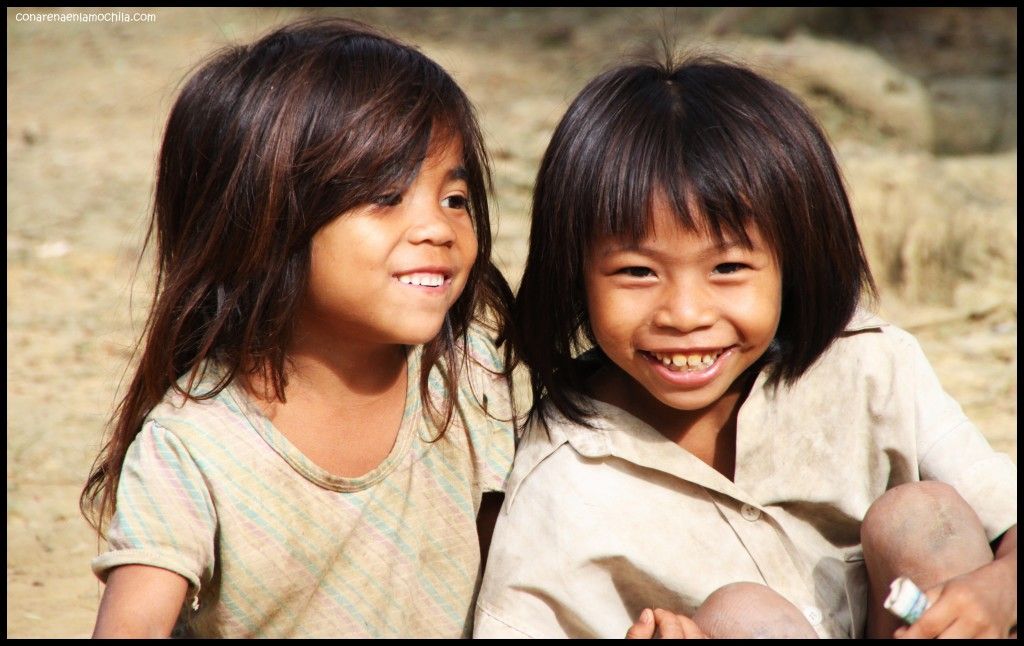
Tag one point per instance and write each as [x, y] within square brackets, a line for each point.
[693, 360]
[428, 280]
[667, 361]
[707, 360]
[679, 360]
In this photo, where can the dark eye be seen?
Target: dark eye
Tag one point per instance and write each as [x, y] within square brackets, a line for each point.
[729, 267]
[636, 272]
[390, 199]
[455, 202]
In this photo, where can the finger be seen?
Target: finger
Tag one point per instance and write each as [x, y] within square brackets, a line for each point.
[644, 626]
[690, 628]
[966, 628]
[932, 623]
[668, 625]
[934, 593]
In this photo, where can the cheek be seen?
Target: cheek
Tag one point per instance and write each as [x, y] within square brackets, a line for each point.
[760, 310]
[771, 298]
[466, 244]
[609, 319]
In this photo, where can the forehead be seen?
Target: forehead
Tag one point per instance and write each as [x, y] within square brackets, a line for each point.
[666, 228]
[444, 142]
[449, 142]
[444, 157]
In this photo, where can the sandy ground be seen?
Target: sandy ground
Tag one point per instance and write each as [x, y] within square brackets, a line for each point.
[86, 103]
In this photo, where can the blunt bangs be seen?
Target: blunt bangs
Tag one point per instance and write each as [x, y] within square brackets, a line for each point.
[726, 150]
[651, 140]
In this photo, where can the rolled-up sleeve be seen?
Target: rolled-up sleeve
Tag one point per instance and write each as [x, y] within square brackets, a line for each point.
[164, 515]
[952, 450]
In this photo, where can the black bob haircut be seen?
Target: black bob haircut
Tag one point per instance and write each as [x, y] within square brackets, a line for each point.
[727, 148]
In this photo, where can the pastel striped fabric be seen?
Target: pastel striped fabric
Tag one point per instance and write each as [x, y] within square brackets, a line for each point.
[274, 546]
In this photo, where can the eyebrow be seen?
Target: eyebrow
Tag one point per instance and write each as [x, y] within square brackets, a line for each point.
[629, 247]
[458, 173]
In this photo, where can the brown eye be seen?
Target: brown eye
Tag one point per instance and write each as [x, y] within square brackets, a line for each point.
[729, 267]
[636, 272]
[455, 202]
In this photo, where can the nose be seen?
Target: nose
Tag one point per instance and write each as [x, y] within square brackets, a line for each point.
[431, 225]
[686, 307]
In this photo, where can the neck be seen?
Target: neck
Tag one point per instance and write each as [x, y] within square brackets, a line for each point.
[334, 366]
[344, 371]
[358, 372]
[708, 433]
[344, 401]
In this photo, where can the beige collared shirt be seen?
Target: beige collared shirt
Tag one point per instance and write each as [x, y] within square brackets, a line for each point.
[601, 523]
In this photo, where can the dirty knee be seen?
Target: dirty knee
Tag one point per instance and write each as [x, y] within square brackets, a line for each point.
[922, 521]
[751, 610]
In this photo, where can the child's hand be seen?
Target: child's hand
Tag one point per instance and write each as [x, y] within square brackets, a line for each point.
[662, 624]
[982, 603]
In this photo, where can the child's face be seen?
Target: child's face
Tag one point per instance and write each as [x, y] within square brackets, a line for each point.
[681, 316]
[386, 273]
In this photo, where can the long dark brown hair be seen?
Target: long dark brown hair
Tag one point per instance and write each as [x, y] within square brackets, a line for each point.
[728, 148]
[265, 144]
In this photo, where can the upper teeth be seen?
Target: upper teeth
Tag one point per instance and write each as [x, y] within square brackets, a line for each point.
[429, 280]
[690, 361]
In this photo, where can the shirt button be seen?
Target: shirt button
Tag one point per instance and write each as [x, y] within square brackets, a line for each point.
[750, 512]
[813, 615]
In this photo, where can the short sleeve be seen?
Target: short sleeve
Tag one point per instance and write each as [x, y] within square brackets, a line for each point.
[490, 414]
[952, 450]
[164, 515]
[538, 578]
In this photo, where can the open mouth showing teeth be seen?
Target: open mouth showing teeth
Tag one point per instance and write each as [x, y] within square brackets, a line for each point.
[423, 279]
[680, 362]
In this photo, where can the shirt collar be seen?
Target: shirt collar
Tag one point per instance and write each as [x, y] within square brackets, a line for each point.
[864, 319]
[615, 434]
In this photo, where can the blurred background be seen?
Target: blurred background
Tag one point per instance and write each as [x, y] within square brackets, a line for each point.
[920, 104]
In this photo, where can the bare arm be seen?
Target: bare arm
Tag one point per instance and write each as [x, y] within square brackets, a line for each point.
[1008, 547]
[140, 601]
[982, 603]
[1007, 553]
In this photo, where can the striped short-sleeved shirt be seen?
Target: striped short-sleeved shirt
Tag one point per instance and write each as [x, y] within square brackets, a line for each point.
[273, 545]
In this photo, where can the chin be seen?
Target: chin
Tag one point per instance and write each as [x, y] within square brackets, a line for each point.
[419, 336]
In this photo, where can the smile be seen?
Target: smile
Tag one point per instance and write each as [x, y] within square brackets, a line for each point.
[423, 279]
[687, 361]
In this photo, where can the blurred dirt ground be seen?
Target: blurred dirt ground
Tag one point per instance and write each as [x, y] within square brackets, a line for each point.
[920, 104]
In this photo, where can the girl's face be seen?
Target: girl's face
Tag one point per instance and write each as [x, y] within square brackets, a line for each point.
[682, 316]
[387, 272]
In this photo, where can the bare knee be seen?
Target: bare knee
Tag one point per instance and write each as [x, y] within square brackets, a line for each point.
[751, 610]
[922, 522]
[909, 499]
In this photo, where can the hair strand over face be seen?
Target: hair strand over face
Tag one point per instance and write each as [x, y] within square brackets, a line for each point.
[265, 144]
